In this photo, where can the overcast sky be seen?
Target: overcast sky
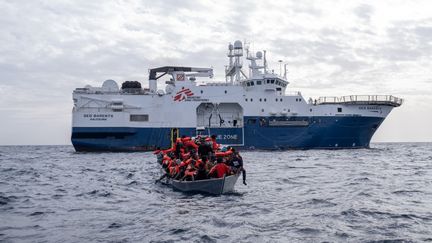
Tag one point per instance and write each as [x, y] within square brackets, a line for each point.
[48, 48]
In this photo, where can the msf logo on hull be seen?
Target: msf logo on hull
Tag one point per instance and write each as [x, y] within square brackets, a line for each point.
[183, 94]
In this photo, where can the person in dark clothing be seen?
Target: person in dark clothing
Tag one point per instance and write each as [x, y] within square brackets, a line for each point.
[204, 150]
[236, 164]
[202, 172]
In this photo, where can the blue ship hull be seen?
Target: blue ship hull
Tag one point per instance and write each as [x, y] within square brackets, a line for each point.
[337, 132]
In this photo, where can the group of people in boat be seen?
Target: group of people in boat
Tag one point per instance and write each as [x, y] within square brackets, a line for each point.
[199, 158]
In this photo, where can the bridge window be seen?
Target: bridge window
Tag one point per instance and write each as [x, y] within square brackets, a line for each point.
[248, 84]
[259, 82]
[278, 89]
[268, 81]
[139, 118]
[272, 81]
[339, 109]
[252, 83]
[251, 121]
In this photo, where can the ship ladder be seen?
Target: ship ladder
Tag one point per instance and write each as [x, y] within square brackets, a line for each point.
[174, 136]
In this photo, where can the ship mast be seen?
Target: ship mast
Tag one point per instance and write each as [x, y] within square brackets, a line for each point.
[233, 71]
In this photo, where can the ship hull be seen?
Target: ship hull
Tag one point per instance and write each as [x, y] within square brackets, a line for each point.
[329, 132]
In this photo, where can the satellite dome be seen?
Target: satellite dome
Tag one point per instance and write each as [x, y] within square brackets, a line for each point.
[110, 86]
[259, 54]
[238, 44]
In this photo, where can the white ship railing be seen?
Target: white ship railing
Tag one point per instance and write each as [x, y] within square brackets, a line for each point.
[292, 93]
[362, 100]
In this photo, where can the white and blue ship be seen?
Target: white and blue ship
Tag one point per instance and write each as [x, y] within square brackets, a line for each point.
[252, 110]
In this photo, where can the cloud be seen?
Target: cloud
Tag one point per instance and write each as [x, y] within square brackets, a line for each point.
[49, 48]
[364, 11]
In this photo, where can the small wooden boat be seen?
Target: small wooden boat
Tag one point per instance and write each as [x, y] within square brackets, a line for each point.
[212, 186]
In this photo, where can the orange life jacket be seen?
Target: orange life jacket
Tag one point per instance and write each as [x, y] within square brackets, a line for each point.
[223, 154]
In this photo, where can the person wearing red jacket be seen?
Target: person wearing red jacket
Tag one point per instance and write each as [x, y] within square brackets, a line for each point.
[216, 146]
[219, 170]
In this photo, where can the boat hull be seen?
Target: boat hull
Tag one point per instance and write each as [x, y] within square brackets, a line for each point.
[211, 186]
[317, 132]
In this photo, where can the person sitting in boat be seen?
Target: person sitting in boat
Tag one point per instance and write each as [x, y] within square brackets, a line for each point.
[190, 172]
[201, 173]
[220, 169]
[166, 160]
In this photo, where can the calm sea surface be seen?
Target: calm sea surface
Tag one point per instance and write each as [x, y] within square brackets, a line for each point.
[52, 194]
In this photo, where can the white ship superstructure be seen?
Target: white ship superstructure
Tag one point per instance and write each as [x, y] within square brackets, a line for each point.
[250, 109]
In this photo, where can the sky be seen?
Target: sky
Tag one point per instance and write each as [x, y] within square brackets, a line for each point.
[332, 48]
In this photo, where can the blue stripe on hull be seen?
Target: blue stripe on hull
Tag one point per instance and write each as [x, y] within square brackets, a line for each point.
[322, 132]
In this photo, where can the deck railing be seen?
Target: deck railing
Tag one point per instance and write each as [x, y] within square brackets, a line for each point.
[362, 99]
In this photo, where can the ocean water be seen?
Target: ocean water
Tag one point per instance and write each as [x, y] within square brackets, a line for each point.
[382, 194]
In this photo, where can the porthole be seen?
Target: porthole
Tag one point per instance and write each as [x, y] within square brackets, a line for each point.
[265, 99]
[262, 110]
[202, 91]
[276, 99]
[251, 99]
[246, 100]
[260, 99]
[280, 99]
[226, 92]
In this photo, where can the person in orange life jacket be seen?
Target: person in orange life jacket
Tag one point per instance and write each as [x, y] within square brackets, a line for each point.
[216, 146]
[185, 156]
[223, 153]
[174, 169]
[201, 173]
[236, 164]
[190, 172]
[190, 144]
[219, 170]
[171, 170]
[165, 161]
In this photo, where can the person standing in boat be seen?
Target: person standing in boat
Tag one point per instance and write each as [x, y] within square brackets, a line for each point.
[236, 164]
